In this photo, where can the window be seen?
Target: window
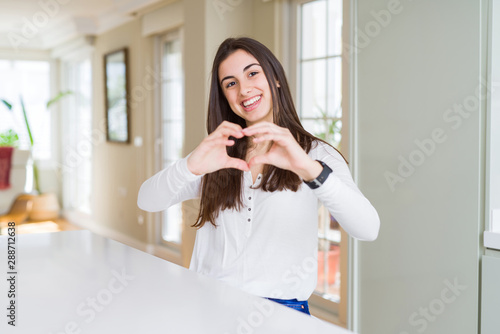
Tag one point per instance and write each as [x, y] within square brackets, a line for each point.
[31, 81]
[78, 137]
[172, 125]
[318, 73]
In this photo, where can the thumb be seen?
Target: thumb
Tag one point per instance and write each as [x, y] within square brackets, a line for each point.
[259, 160]
[237, 163]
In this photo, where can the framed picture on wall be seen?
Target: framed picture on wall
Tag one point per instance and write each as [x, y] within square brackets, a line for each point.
[116, 94]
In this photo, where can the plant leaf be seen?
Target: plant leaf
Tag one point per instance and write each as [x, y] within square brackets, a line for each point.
[26, 120]
[59, 96]
[7, 104]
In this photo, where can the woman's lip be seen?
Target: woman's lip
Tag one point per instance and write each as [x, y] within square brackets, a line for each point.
[253, 105]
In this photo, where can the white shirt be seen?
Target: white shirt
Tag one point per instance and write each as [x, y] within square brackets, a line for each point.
[269, 247]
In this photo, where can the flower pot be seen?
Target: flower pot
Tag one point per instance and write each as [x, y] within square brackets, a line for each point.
[45, 206]
[5, 166]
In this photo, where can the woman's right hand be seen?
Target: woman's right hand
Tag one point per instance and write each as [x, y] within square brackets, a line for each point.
[211, 154]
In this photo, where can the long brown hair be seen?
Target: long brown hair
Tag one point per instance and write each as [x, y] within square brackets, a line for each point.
[222, 189]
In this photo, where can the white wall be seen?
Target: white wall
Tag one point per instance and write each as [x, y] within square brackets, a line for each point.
[423, 60]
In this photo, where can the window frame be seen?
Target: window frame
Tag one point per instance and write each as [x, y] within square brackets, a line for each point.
[172, 248]
[335, 312]
[67, 81]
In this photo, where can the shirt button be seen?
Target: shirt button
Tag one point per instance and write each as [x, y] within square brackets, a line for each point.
[250, 197]
[259, 177]
[249, 209]
[249, 219]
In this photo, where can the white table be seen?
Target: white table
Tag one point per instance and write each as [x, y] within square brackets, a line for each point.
[79, 282]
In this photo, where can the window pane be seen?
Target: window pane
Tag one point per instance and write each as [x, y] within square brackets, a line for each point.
[313, 88]
[172, 144]
[334, 27]
[172, 60]
[328, 269]
[313, 29]
[172, 101]
[334, 87]
[78, 137]
[172, 231]
[31, 80]
[315, 127]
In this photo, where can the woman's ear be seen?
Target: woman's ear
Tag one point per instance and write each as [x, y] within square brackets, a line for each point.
[278, 84]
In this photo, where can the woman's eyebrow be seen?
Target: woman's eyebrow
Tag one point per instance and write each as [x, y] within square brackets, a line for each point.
[246, 68]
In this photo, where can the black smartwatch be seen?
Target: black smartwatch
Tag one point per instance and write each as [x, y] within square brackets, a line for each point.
[317, 182]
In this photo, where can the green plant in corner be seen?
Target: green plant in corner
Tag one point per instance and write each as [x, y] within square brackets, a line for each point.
[55, 99]
[8, 137]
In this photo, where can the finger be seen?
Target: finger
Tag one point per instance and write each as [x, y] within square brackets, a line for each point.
[264, 130]
[253, 131]
[229, 125]
[266, 137]
[276, 137]
[226, 132]
[238, 164]
[262, 125]
[221, 141]
[259, 160]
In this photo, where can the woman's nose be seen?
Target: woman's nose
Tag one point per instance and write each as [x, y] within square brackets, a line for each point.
[245, 89]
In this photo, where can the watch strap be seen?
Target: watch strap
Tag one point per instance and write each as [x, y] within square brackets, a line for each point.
[317, 182]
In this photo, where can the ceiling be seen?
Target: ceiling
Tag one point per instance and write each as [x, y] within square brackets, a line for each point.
[44, 24]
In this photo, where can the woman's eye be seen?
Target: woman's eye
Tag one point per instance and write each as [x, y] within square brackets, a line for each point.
[232, 83]
[252, 74]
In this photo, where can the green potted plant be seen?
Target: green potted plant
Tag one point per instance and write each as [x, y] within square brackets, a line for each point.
[45, 205]
[55, 99]
[8, 140]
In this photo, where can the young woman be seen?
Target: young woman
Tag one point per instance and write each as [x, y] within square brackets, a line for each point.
[259, 176]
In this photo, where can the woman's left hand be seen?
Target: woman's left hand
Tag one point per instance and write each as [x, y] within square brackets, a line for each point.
[285, 152]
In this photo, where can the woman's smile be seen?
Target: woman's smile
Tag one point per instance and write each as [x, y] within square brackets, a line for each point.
[251, 103]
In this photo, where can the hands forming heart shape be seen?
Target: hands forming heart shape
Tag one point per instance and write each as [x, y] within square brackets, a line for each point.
[285, 152]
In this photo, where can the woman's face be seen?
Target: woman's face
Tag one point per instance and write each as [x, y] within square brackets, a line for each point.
[246, 88]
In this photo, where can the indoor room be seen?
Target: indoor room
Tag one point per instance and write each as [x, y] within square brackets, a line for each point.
[125, 125]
